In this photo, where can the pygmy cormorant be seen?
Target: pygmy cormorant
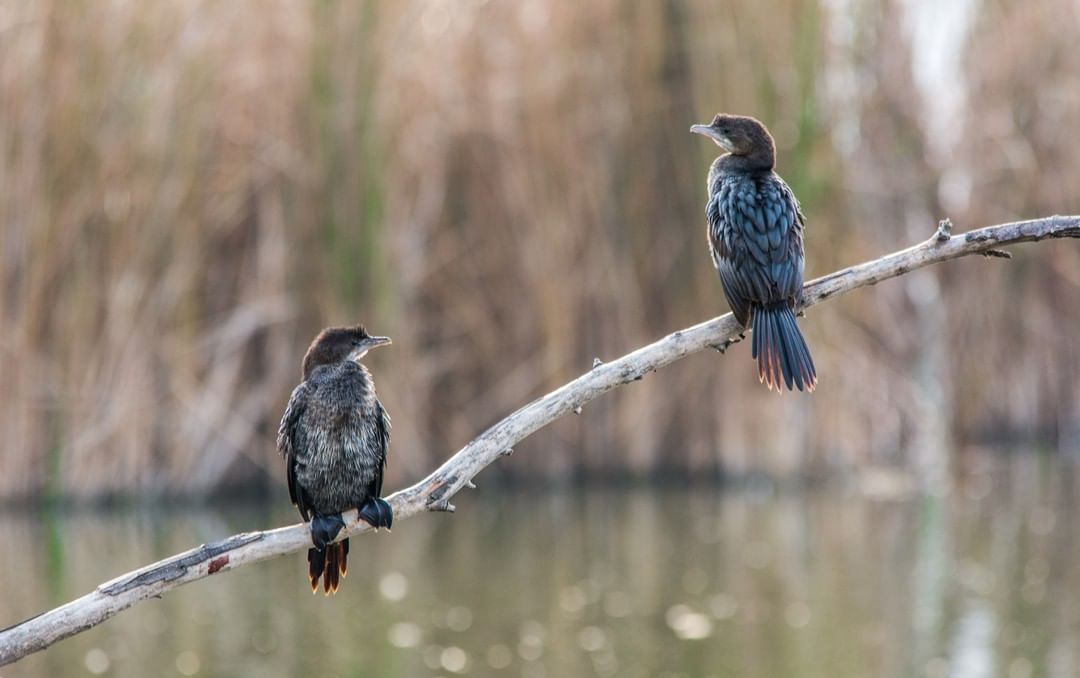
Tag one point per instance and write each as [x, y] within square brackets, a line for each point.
[756, 239]
[334, 436]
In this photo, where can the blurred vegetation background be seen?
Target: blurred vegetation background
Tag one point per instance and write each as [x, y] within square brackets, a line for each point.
[190, 190]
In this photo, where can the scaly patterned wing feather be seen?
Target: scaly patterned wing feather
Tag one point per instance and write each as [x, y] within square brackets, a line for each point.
[728, 256]
[762, 230]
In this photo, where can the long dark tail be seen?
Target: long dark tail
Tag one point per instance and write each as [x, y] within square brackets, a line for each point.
[330, 564]
[781, 350]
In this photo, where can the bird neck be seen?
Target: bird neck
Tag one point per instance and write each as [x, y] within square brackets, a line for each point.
[318, 371]
[758, 160]
[311, 363]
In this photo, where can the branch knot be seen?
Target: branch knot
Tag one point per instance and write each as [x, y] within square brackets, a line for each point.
[944, 230]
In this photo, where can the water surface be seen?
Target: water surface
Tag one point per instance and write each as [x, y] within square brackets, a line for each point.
[641, 582]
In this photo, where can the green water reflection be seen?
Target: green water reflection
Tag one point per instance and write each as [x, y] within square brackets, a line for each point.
[596, 582]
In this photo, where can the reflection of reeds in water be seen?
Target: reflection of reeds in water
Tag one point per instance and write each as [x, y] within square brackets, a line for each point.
[635, 583]
[507, 189]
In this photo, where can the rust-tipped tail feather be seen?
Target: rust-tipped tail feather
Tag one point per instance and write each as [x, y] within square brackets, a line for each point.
[782, 354]
[330, 565]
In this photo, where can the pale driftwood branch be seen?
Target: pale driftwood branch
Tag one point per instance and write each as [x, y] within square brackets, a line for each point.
[434, 492]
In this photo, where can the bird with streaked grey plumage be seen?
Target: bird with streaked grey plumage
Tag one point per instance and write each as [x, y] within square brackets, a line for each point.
[334, 437]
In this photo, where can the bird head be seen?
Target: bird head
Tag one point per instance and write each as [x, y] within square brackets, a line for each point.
[338, 344]
[738, 135]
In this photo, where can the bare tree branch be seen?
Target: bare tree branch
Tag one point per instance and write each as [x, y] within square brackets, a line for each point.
[434, 492]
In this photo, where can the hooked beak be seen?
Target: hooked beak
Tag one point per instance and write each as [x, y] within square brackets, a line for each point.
[712, 133]
[373, 342]
[366, 345]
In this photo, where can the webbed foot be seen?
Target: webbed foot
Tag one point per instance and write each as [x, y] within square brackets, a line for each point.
[325, 528]
[377, 513]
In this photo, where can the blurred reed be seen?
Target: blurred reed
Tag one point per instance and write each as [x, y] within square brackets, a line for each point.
[189, 190]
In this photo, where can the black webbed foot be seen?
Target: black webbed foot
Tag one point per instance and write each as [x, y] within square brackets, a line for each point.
[325, 528]
[377, 513]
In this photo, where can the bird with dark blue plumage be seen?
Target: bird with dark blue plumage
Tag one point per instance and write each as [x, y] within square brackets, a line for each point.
[756, 239]
[334, 436]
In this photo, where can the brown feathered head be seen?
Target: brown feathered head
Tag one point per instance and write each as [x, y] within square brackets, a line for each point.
[739, 135]
[338, 344]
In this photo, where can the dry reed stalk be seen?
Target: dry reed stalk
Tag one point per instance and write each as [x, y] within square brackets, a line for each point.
[509, 191]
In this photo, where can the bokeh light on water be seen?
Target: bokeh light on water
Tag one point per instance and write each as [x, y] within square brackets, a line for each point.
[597, 582]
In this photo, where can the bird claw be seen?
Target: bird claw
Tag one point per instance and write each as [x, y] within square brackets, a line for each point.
[724, 345]
[442, 505]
